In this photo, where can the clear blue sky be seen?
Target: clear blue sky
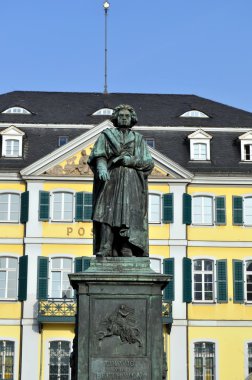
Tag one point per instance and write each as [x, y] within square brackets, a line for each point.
[200, 47]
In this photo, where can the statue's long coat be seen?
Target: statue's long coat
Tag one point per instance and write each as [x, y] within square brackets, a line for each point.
[123, 200]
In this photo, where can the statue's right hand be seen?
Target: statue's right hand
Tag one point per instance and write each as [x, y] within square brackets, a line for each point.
[104, 175]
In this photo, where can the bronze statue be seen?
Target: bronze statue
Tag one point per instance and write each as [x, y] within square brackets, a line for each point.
[121, 163]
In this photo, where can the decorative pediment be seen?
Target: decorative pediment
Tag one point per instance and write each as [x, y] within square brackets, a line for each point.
[200, 134]
[70, 160]
[246, 136]
[75, 165]
[12, 131]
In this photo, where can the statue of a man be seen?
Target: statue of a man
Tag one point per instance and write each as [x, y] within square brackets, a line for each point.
[121, 163]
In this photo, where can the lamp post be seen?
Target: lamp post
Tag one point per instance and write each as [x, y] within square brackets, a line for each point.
[106, 8]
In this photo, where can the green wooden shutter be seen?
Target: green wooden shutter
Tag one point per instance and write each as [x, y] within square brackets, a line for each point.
[22, 280]
[168, 268]
[24, 212]
[44, 205]
[238, 281]
[42, 291]
[221, 276]
[237, 210]
[88, 200]
[187, 280]
[82, 264]
[79, 197]
[220, 210]
[187, 209]
[168, 208]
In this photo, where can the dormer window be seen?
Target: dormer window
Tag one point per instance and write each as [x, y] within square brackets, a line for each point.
[17, 110]
[194, 113]
[103, 112]
[12, 141]
[199, 145]
[246, 146]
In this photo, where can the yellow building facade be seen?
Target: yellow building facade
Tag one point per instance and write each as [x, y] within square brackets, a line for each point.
[199, 231]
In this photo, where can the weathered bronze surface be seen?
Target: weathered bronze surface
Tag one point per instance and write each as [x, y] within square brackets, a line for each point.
[119, 323]
[121, 163]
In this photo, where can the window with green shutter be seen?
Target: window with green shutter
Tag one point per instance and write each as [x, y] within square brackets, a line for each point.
[187, 280]
[42, 291]
[22, 280]
[44, 205]
[237, 210]
[187, 209]
[82, 264]
[221, 278]
[24, 212]
[238, 281]
[220, 210]
[168, 208]
[83, 206]
[168, 268]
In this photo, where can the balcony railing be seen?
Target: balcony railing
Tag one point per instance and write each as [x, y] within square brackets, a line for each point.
[57, 310]
[64, 310]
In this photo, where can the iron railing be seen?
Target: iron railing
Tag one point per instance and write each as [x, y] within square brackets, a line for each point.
[57, 310]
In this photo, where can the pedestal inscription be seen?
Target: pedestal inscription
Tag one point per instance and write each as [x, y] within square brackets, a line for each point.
[120, 368]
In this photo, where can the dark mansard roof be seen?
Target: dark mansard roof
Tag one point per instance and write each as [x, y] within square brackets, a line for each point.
[152, 109]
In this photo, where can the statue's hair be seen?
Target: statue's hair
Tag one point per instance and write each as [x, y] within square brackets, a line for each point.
[124, 107]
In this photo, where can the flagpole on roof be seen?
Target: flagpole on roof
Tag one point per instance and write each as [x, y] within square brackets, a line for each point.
[106, 8]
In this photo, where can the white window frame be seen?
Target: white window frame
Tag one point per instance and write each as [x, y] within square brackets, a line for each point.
[246, 139]
[7, 271]
[201, 156]
[158, 259]
[245, 272]
[151, 193]
[194, 113]
[64, 191]
[17, 110]
[47, 353]
[12, 133]
[246, 358]
[192, 356]
[103, 112]
[199, 137]
[245, 210]
[61, 270]
[206, 195]
[9, 193]
[203, 301]
[16, 350]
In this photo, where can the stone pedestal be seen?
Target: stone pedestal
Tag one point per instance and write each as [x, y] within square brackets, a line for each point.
[119, 321]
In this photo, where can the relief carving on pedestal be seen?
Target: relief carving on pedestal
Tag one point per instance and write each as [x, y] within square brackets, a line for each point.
[73, 168]
[121, 323]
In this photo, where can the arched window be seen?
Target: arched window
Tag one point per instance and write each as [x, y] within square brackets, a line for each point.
[61, 267]
[202, 210]
[154, 212]
[199, 151]
[8, 277]
[9, 207]
[59, 360]
[103, 112]
[7, 359]
[204, 361]
[17, 110]
[12, 148]
[194, 113]
[203, 280]
[62, 206]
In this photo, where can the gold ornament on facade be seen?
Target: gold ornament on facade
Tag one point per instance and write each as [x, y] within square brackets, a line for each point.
[72, 168]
